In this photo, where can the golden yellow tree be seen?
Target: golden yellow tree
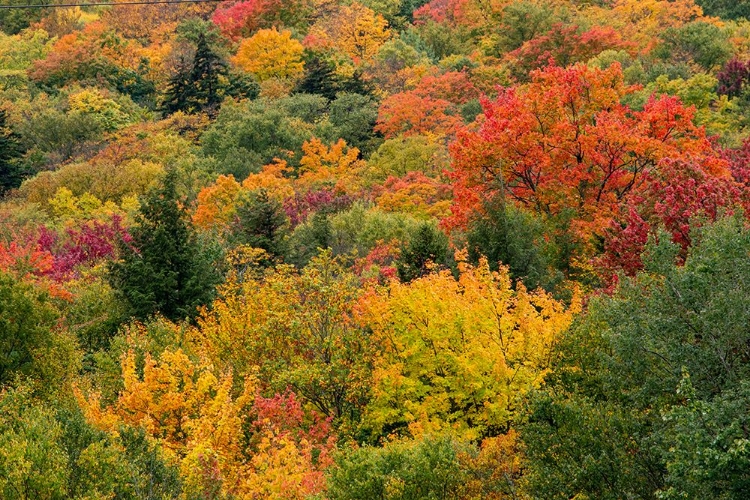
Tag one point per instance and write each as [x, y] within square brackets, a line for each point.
[355, 29]
[271, 54]
[459, 353]
[337, 166]
[227, 440]
[298, 328]
[643, 21]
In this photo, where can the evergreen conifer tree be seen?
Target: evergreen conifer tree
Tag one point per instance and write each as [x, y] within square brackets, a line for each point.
[319, 78]
[200, 87]
[164, 268]
[262, 223]
[10, 148]
[427, 245]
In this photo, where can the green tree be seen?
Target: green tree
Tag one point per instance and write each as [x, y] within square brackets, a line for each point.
[261, 222]
[53, 453]
[33, 464]
[319, 78]
[200, 87]
[164, 269]
[618, 417]
[61, 136]
[703, 43]
[354, 116]
[128, 466]
[248, 135]
[407, 470]
[11, 174]
[13, 21]
[523, 21]
[27, 321]
[728, 9]
[309, 238]
[427, 245]
[513, 237]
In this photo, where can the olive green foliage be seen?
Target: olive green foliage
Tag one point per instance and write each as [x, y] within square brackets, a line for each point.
[13, 21]
[248, 135]
[646, 397]
[309, 238]
[508, 235]
[62, 135]
[355, 231]
[523, 21]
[702, 43]
[728, 9]
[27, 321]
[33, 463]
[426, 250]
[55, 454]
[401, 155]
[353, 116]
[408, 470]
[261, 223]
[95, 315]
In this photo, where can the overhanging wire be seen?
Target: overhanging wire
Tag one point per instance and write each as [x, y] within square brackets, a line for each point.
[103, 4]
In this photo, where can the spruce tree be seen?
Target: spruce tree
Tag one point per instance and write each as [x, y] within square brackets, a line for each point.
[200, 87]
[164, 268]
[261, 223]
[11, 174]
[427, 245]
[319, 78]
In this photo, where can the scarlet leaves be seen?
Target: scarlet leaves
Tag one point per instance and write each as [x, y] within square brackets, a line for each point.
[564, 144]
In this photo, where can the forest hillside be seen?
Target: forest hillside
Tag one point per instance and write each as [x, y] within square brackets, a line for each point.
[375, 249]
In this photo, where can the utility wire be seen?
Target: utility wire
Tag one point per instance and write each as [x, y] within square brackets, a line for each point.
[103, 4]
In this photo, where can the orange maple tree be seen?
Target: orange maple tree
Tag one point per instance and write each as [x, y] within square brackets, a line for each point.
[430, 108]
[565, 144]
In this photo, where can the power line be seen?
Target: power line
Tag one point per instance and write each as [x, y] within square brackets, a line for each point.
[103, 4]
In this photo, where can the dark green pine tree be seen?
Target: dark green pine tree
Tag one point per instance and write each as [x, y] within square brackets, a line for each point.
[164, 268]
[319, 78]
[427, 245]
[261, 223]
[200, 87]
[11, 174]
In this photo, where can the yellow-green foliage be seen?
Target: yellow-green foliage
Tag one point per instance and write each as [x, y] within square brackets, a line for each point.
[105, 181]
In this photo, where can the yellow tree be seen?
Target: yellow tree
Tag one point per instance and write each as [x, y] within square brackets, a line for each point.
[458, 353]
[355, 29]
[643, 21]
[271, 54]
[298, 328]
[231, 441]
[337, 166]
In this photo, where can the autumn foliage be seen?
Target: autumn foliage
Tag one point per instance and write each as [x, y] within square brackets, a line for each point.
[375, 249]
[565, 143]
